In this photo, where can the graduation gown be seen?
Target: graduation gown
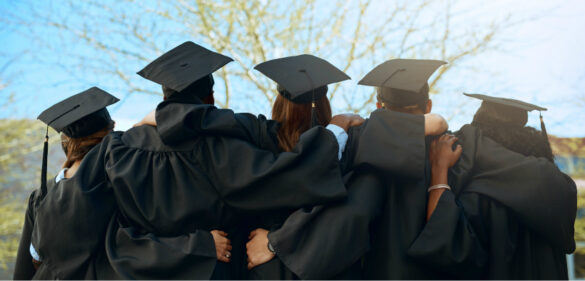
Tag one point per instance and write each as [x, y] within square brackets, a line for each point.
[23, 268]
[508, 217]
[328, 241]
[70, 221]
[168, 184]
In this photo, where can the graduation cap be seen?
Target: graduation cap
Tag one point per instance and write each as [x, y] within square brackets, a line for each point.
[302, 79]
[402, 82]
[77, 116]
[511, 111]
[186, 68]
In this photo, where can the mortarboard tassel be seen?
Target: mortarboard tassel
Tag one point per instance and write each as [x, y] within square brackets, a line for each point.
[314, 121]
[314, 112]
[44, 165]
[543, 128]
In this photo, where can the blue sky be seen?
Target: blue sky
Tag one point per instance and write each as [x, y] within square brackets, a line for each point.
[541, 61]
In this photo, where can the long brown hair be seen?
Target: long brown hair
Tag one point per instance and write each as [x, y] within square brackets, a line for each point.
[76, 148]
[295, 119]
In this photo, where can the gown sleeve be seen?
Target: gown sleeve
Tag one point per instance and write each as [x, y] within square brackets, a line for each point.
[534, 189]
[135, 255]
[322, 242]
[493, 186]
[249, 178]
[180, 121]
[326, 240]
[448, 242]
[24, 269]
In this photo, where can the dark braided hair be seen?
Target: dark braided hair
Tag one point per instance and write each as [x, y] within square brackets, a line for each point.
[512, 135]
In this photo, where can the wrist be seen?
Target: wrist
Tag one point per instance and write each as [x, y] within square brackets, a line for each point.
[270, 248]
[439, 175]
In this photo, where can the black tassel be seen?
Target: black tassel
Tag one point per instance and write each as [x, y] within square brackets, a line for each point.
[44, 165]
[543, 128]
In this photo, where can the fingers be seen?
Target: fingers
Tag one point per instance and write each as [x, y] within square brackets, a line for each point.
[458, 151]
[222, 233]
[223, 258]
[253, 233]
[451, 140]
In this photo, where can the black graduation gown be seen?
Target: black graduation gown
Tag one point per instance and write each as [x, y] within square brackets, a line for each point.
[328, 241]
[209, 181]
[71, 220]
[509, 216]
[23, 268]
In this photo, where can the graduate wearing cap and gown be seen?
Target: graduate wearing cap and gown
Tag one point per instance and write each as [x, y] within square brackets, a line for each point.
[80, 116]
[169, 183]
[404, 215]
[512, 221]
[328, 241]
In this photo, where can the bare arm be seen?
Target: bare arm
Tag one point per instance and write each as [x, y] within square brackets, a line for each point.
[435, 124]
[442, 157]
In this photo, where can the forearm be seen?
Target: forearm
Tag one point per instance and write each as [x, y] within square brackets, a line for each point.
[439, 176]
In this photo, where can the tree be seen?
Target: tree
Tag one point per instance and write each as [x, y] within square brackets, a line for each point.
[111, 40]
[106, 42]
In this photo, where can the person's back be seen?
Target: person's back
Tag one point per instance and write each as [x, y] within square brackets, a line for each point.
[168, 183]
[510, 213]
[65, 250]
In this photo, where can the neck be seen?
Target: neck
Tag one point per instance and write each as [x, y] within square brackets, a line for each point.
[72, 170]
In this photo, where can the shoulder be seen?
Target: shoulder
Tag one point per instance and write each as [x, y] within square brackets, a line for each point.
[147, 138]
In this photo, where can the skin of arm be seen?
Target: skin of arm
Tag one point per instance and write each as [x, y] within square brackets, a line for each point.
[442, 157]
[435, 124]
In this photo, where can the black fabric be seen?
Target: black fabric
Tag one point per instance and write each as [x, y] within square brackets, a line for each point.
[71, 221]
[23, 268]
[508, 217]
[327, 240]
[208, 181]
[133, 255]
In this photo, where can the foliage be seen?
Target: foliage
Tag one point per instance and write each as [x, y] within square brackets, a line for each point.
[580, 221]
[353, 35]
[20, 153]
[12, 210]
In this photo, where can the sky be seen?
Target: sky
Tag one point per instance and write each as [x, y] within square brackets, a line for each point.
[541, 62]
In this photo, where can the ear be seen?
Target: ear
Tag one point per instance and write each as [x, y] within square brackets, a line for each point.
[378, 105]
[429, 106]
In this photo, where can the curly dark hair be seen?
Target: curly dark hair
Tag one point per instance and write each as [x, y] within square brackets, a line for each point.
[522, 139]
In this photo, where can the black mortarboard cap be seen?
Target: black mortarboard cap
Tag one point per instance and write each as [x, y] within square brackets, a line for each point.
[302, 79]
[510, 110]
[184, 65]
[402, 82]
[80, 115]
[77, 116]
